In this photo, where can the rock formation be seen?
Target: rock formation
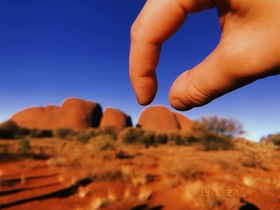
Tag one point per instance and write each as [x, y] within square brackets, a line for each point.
[74, 113]
[184, 122]
[115, 118]
[159, 118]
[78, 114]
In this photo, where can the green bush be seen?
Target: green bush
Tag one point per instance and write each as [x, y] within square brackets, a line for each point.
[131, 135]
[37, 133]
[212, 141]
[109, 131]
[138, 136]
[84, 138]
[3, 134]
[107, 146]
[181, 138]
[64, 133]
[10, 130]
[148, 138]
[24, 146]
[161, 138]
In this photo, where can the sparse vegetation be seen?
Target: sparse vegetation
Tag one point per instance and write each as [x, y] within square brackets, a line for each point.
[64, 133]
[273, 138]
[213, 141]
[37, 133]
[131, 135]
[222, 126]
[24, 146]
[10, 130]
[137, 165]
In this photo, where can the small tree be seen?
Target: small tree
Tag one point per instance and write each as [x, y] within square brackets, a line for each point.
[222, 126]
[9, 129]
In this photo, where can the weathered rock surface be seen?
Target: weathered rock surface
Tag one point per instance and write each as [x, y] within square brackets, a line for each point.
[74, 113]
[184, 122]
[159, 118]
[115, 118]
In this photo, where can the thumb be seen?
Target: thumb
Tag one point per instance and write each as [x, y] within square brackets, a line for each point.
[199, 86]
[221, 72]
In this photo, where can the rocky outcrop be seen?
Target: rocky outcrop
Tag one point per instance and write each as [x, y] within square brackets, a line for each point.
[115, 118]
[184, 122]
[74, 113]
[78, 114]
[159, 118]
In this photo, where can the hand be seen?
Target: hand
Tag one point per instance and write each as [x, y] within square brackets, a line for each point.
[249, 49]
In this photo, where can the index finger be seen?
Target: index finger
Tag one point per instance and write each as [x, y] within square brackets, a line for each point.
[157, 21]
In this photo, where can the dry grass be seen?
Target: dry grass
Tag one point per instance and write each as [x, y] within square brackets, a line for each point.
[248, 181]
[127, 193]
[83, 191]
[145, 193]
[179, 167]
[97, 203]
[112, 197]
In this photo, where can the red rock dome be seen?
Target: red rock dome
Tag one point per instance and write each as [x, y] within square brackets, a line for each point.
[115, 118]
[74, 113]
[159, 118]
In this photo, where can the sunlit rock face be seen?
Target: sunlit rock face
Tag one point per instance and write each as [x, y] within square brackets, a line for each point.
[160, 118]
[184, 122]
[115, 118]
[74, 113]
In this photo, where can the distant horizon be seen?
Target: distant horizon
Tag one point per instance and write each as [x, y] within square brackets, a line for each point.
[134, 117]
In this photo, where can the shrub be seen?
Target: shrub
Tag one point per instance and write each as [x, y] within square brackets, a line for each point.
[10, 130]
[107, 146]
[111, 131]
[101, 143]
[93, 132]
[64, 133]
[108, 131]
[274, 138]
[176, 138]
[148, 138]
[131, 135]
[222, 126]
[24, 146]
[212, 141]
[36, 133]
[182, 138]
[84, 138]
[161, 138]
[3, 134]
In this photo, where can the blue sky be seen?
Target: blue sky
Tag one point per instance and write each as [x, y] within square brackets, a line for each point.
[51, 50]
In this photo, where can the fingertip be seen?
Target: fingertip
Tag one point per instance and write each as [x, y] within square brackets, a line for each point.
[145, 90]
[144, 101]
[179, 105]
[187, 92]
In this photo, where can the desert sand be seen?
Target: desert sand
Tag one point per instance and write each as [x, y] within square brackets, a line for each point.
[75, 175]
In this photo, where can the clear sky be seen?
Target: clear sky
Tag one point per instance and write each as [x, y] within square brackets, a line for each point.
[51, 50]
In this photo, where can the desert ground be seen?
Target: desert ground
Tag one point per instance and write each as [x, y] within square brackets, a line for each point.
[107, 174]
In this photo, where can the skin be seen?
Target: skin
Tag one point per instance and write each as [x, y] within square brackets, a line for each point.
[249, 49]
